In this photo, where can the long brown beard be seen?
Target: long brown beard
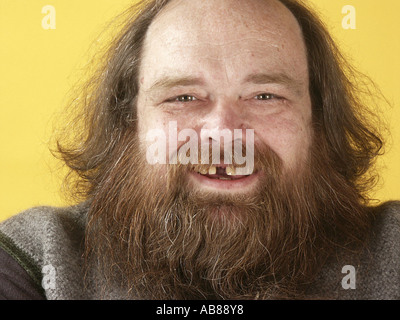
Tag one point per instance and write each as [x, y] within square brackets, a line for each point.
[150, 235]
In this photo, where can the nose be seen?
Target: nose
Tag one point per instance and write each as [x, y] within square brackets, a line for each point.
[224, 116]
[224, 126]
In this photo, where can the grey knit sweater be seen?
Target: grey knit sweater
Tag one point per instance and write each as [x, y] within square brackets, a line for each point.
[48, 243]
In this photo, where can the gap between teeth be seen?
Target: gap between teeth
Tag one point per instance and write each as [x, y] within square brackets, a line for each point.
[230, 171]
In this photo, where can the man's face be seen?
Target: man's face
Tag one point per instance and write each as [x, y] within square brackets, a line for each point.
[227, 64]
[209, 66]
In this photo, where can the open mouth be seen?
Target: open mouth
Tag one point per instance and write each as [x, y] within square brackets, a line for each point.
[224, 178]
[222, 172]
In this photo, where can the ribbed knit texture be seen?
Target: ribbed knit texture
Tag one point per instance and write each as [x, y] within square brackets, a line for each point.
[54, 237]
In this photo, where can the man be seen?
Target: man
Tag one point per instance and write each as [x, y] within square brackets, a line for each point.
[164, 217]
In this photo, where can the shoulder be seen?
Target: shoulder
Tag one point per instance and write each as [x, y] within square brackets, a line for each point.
[382, 259]
[47, 236]
[387, 220]
[384, 241]
[32, 228]
[377, 267]
[44, 217]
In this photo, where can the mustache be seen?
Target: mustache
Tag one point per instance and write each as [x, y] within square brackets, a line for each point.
[245, 162]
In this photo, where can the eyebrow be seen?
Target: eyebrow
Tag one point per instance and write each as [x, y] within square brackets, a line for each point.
[169, 82]
[279, 78]
[166, 83]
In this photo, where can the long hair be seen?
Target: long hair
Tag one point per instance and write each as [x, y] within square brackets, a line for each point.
[339, 94]
[107, 106]
[142, 242]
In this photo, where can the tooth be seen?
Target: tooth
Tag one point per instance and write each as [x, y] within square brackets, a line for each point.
[230, 171]
[212, 170]
[203, 170]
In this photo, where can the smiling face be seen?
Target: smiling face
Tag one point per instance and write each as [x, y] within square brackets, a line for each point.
[176, 231]
[215, 65]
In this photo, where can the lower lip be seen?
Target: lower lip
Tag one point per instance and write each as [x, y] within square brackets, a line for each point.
[234, 184]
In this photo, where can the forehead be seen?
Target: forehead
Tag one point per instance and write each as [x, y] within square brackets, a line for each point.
[223, 34]
[219, 15]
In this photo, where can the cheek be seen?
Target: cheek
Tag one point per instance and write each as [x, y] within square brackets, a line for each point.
[159, 134]
[150, 120]
[289, 138]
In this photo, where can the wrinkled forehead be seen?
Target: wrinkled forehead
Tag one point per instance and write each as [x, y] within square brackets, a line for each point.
[214, 18]
[225, 28]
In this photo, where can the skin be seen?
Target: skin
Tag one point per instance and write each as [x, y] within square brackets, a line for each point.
[228, 64]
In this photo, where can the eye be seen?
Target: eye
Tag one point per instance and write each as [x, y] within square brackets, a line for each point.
[184, 98]
[265, 96]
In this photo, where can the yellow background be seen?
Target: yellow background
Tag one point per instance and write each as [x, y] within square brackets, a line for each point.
[38, 67]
